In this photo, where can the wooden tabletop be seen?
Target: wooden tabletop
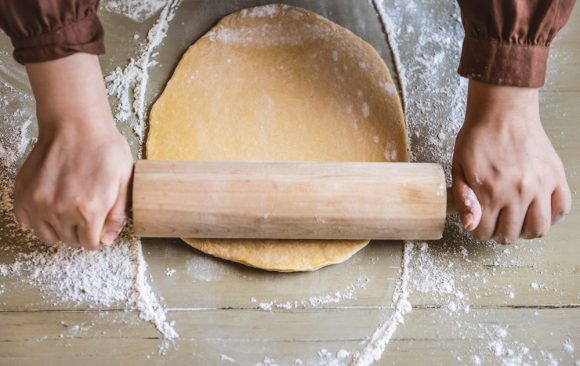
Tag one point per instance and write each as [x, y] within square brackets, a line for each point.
[518, 303]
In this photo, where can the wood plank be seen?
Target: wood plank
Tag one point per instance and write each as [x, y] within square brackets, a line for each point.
[201, 281]
[244, 336]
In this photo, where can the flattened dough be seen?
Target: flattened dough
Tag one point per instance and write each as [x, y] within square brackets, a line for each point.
[279, 83]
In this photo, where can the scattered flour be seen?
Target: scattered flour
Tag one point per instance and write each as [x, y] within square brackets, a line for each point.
[129, 84]
[72, 275]
[374, 348]
[227, 358]
[301, 33]
[137, 10]
[115, 275]
[202, 268]
[347, 293]
[568, 346]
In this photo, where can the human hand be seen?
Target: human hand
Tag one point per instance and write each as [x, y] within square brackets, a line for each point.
[508, 180]
[73, 186]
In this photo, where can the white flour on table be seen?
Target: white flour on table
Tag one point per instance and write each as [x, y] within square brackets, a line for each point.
[115, 275]
[137, 10]
[347, 293]
[129, 84]
[434, 102]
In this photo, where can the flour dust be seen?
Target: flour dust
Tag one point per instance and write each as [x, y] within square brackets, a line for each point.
[110, 277]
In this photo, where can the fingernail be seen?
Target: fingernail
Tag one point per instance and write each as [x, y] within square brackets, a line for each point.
[560, 218]
[109, 237]
[468, 222]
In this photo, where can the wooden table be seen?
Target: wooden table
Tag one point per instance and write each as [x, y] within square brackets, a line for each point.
[220, 309]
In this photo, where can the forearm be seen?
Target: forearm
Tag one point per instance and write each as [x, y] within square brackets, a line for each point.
[67, 91]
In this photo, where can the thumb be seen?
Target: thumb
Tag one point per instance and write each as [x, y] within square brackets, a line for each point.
[116, 218]
[466, 202]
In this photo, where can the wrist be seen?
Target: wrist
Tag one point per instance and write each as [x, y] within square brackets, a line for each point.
[489, 103]
[70, 93]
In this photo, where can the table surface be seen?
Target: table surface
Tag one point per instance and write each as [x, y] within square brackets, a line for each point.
[219, 315]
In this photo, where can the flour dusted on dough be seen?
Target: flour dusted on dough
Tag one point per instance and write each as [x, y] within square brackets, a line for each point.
[278, 83]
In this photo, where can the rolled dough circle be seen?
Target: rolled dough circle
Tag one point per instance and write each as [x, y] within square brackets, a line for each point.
[279, 83]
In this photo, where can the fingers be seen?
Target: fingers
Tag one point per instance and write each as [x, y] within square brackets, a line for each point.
[66, 233]
[509, 225]
[538, 219]
[561, 204]
[43, 229]
[116, 217]
[22, 217]
[88, 232]
[486, 228]
[466, 202]
[45, 232]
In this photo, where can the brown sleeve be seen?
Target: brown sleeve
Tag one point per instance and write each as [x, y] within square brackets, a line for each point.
[507, 41]
[43, 30]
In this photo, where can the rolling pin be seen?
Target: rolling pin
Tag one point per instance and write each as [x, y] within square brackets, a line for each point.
[289, 200]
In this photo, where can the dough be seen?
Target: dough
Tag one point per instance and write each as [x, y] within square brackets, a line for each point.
[279, 83]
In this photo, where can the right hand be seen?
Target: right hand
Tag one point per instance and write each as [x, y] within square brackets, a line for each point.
[508, 180]
[73, 187]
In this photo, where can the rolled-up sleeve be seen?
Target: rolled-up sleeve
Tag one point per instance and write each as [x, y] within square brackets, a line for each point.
[507, 41]
[43, 30]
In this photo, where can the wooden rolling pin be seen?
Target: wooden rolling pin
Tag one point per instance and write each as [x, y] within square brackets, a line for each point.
[289, 200]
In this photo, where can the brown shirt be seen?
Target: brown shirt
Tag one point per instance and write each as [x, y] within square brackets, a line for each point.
[506, 41]
[43, 30]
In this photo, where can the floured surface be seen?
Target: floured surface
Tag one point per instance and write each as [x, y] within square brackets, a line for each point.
[279, 83]
[473, 303]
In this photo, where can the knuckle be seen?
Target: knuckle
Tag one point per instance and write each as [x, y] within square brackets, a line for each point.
[523, 187]
[88, 209]
[473, 178]
[59, 209]
[39, 198]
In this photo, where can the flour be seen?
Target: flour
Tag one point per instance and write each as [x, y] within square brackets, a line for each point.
[129, 84]
[115, 275]
[375, 346]
[347, 293]
[110, 276]
[71, 275]
[434, 102]
[266, 11]
[137, 10]
[202, 268]
[227, 358]
[277, 34]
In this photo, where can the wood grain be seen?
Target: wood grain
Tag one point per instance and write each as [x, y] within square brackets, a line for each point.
[288, 200]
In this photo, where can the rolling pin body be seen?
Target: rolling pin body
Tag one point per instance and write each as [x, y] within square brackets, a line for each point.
[289, 200]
